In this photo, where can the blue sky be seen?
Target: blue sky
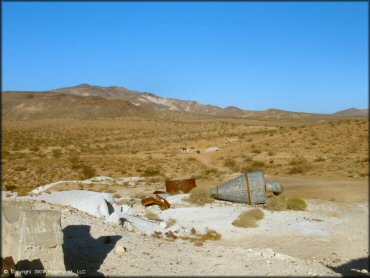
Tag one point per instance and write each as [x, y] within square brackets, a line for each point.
[298, 56]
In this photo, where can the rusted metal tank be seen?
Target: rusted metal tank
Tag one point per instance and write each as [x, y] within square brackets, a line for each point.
[180, 186]
[248, 188]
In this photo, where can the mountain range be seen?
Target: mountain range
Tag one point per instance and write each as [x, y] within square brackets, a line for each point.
[87, 101]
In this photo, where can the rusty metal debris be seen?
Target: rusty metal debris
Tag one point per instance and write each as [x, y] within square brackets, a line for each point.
[159, 192]
[180, 186]
[156, 200]
[248, 188]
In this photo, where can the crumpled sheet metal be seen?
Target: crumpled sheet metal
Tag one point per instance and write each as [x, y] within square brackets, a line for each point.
[156, 200]
[180, 186]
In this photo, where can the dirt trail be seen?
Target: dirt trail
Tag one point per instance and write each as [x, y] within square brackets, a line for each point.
[324, 188]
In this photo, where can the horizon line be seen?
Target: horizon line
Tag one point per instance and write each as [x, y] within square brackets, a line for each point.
[156, 94]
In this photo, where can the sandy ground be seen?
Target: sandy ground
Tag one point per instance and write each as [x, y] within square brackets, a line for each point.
[329, 238]
[85, 250]
[324, 188]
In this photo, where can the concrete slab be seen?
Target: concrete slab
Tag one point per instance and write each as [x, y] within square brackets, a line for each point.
[41, 227]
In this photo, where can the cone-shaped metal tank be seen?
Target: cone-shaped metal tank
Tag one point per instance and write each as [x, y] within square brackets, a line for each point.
[248, 188]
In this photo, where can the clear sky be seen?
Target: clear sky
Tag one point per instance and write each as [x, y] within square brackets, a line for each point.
[298, 56]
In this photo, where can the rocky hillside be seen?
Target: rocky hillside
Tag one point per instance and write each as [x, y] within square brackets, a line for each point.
[86, 101]
[353, 112]
[147, 100]
[32, 105]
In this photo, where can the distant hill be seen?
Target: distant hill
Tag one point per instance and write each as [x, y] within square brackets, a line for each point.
[152, 101]
[88, 101]
[143, 99]
[353, 112]
[31, 105]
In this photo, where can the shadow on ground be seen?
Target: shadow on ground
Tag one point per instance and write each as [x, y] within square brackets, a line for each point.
[84, 254]
[349, 268]
[32, 268]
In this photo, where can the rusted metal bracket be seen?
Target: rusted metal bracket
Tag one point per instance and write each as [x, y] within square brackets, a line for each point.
[156, 200]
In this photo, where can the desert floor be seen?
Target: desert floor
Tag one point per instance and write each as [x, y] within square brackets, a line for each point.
[324, 162]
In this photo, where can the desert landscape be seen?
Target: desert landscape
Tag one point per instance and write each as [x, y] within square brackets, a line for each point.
[119, 145]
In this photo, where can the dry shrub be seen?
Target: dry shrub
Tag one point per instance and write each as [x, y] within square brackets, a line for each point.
[151, 171]
[296, 203]
[200, 196]
[75, 161]
[276, 203]
[117, 195]
[299, 169]
[152, 216]
[10, 187]
[140, 195]
[208, 172]
[319, 159]
[256, 151]
[300, 165]
[200, 238]
[229, 162]
[124, 202]
[20, 168]
[171, 222]
[255, 165]
[249, 218]
[57, 153]
[211, 235]
[88, 171]
[23, 191]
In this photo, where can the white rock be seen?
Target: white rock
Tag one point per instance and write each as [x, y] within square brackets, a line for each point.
[129, 226]
[174, 228]
[155, 209]
[127, 209]
[177, 199]
[91, 202]
[163, 224]
[282, 257]
[115, 218]
[267, 252]
[103, 208]
[212, 149]
[120, 250]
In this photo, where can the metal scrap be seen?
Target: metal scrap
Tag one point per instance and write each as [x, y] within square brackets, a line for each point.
[247, 188]
[180, 186]
[156, 200]
[274, 187]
